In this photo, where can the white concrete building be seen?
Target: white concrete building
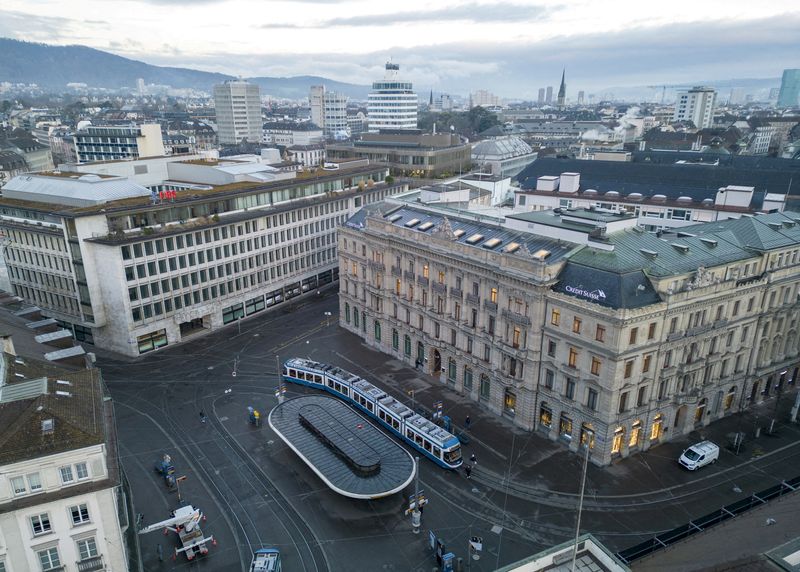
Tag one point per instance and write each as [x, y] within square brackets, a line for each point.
[136, 270]
[62, 506]
[316, 100]
[392, 103]
[238, 110]
[307, 155]
[485, 98]
[114, 142]
[696, 105]
[504, 156]
[286, 134]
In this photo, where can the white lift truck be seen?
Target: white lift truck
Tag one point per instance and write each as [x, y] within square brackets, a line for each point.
[185, 522]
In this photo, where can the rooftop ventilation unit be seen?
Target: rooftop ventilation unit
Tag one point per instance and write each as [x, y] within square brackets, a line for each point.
[683, 248]
[590, 192]
[709, 242]
[63, 382]
[425, 226]
[635, 196]
[63, 393]
[612, 194]
[650, 253]
[659, 198]
[775, 225]
[474, 238]
[708, 202]
[412, 222]
[686, 234]
[394, 217]
[684, 199]
[492, 243]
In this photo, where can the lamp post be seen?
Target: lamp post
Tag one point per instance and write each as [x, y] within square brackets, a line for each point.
[589, 437]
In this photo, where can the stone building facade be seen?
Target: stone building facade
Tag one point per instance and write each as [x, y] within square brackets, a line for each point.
[585, 327]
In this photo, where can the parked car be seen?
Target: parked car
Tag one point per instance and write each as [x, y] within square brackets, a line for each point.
[699, 455]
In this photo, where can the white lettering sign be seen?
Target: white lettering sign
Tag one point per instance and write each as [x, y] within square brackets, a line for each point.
[592, 295]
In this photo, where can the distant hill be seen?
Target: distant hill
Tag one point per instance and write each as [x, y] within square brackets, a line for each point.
[53, 67]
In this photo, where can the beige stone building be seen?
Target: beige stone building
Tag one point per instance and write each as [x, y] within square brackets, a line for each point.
[580, 324]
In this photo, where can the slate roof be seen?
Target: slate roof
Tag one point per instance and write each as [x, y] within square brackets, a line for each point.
[405, 213]
[77, 417]
[670, 179]
[363, 440]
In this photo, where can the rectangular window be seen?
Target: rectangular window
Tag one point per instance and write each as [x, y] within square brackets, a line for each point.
[576, 325]
[49, 559]
[628, 368]
[18, 486]
[623, 402]
[646, 363]
[591, 400]
[600, 334]
[81, 471]
[651, 331]
[40, 524]
[633, 334]
[595, 366]
[87, 548]
[569, 389]
[573, 357]
[549, 377]
[79, 514]
[66, 475]
[555, 317]
[640, 399]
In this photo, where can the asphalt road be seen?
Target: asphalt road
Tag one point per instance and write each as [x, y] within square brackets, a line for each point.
[255, 492]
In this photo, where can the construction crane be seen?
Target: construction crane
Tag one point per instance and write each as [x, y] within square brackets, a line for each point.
[185, 522]
[664, 89]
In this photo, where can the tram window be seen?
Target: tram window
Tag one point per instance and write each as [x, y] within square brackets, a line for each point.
[369, 406]
[437, 452]
[428, 446]
[381, 415]
[317, 379]
[395, 424]
[418, 439]
[301, 375]
[409, 434]
[330, 383]
[292, 373]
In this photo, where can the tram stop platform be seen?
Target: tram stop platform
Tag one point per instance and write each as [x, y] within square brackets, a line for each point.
[345, 449]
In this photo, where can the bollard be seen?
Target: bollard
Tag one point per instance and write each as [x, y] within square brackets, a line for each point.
[416, 519]
[758, 432]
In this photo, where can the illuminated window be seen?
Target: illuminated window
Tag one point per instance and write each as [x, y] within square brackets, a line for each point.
[729, 398]
[516, 336]
[397, 286]
[441, 277]
[600, 334]
[354, 270]
[555, 317]
[573, 357]
[616, 442]
[493, 296]
[596, 366]
[636, 434]
[425, 271]
[576, 325]
[656, 428]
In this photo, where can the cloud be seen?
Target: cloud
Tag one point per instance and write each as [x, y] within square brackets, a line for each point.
[500, 12]
[47, 29]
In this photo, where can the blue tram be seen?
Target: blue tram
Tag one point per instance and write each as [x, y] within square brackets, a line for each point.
[428, 438]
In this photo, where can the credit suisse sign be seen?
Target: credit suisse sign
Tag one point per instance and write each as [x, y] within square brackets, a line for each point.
[598, 294]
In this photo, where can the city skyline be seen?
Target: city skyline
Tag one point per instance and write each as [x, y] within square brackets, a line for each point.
[514, 47]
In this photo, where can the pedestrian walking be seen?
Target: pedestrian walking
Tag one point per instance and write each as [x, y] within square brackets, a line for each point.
[468, 470]
[202, 416]
[467, 422]
[473, 459]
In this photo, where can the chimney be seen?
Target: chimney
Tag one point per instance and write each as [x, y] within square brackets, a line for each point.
[8, 344]
[569, 182]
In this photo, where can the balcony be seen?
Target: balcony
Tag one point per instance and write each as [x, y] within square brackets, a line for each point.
[91, 564]
[473, 299]
[409, 275]
[397, 272]
[439, 288]
[516, 318]
[380, 266]
[456, 292]
[674, 336]
[422, 281]
[491, 306]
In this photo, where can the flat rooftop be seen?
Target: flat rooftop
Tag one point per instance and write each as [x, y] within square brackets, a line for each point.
[350, 454]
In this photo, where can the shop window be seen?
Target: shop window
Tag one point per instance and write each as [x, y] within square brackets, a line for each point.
[545, 416]
[509, 402]
[485, 390]
[152, 341]
[617, 440]
[565, 427]
[657, 427]
[636, 434]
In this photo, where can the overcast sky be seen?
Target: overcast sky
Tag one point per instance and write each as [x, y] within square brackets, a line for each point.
[510, 47]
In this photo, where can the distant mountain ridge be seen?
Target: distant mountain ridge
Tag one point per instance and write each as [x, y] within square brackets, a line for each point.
[53, 67]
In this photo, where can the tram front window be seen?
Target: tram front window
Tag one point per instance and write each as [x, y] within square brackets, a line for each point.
[453, 455]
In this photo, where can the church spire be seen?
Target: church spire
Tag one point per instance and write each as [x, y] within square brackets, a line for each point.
[431, 101]
[562, 89]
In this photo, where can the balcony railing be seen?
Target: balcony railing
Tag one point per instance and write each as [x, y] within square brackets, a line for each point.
[408, 275]
[91, 564]
[422, 281]
[377, 266]
[491, 306]
[455, 292]
[440, 288]
[473, 299]
[516, 318]
[396, 271]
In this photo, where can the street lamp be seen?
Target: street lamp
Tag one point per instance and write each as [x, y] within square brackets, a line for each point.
[328, 318]
[589, 436]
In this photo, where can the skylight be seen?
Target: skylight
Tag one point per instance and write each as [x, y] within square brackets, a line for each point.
[459, 233]
[511, 247]
[394, 217]
[492, 243]
[541, 254]
[425, 225]
[412, 222]
[474, 238]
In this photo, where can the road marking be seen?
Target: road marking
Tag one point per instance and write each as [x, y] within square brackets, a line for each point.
[497, 529]
[223, 418]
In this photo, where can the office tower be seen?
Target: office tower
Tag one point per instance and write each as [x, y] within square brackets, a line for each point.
[581, 97]
[238, 109]
[548, 98]
[316, 100]
[540, 99]
[789, 95]
[392, 104]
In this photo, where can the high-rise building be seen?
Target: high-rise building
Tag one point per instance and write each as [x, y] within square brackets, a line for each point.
[562, 91]
[581, 97]
[392, 103]
[540, 99]
[238, 109]
[485, 98]
[696, 105]
[316, 100]
[549, 97]
[790, 89]
[140, 87]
